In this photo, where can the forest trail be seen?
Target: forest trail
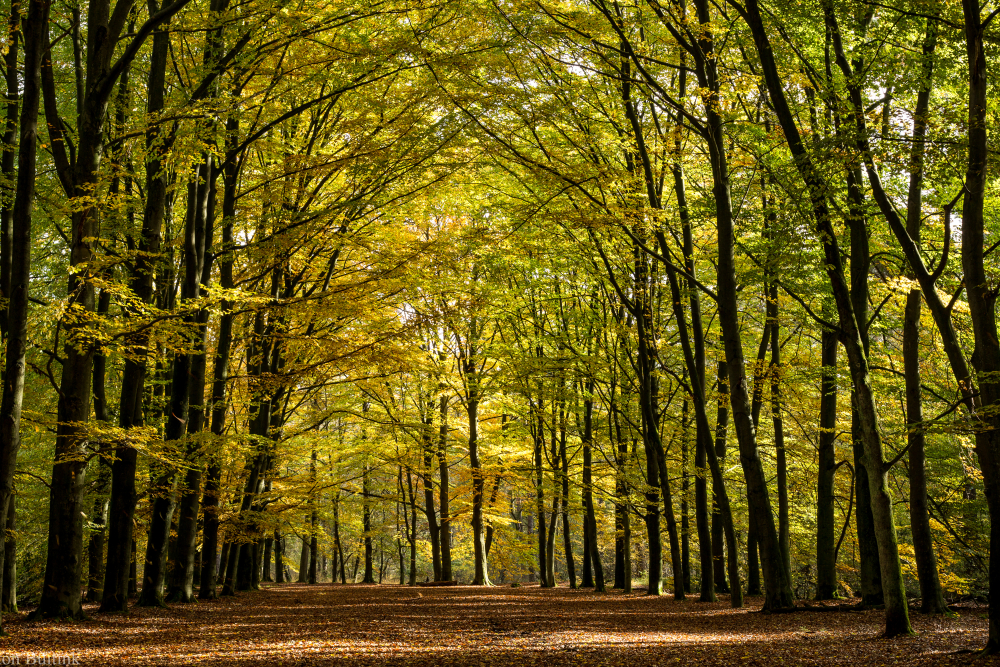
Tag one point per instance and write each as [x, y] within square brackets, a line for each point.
[298, 624]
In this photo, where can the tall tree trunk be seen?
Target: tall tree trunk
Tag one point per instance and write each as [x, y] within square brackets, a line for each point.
[721, 433]
[590, 518]
[981, 295]
[336, 537]
[564, 496]
[701, 518]
[279, 557]
[640, 309]
[622, 518]
[481, 575]
[705, 443]
[304, 561]
[433, 529]
[411, 536]
[79, 178]
[931, 599]
[753, 562]
[8, 592]
[8, 151]
[220, 373]
[826, 564]
[777, 580]
[444, 490]
[15, 262]
[705, 67]
[537, 453]
[685, 493]
[870, 570]
[198, 250]
[35, 34]
[184, 384]
[123, 493]
[99, 517]
[472, 388]
[698, 339]
[784, 525]
[366, 525]
[314, 518]
[897, 616]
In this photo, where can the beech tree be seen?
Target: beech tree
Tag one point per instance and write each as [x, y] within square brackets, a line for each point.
[459, 292]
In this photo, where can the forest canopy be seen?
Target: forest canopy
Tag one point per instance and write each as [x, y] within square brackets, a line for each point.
[698, 294]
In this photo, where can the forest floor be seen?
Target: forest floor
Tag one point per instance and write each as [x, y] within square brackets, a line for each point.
[298, 624]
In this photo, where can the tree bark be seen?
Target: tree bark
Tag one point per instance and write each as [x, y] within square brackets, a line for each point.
[15, 262]
[366, 525]
[897, 617]
[826, 564]
[121, 517]
[444, 490]
[591, 546]
[981, 295]
[35, 33]
[79, 177]
[433, 529]
[931, 599]
[539, 442]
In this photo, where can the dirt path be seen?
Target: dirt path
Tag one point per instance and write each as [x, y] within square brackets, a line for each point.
[297, 624]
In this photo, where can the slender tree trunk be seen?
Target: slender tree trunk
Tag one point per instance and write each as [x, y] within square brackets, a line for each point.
[587, 576]
[220, 373]
[8, 593]
[539, 443]
[481, 575]
[444, 490]
[870, 570]
[685, 493]
[753, 562]
[279, 557]
[433, 530]
[564, 499]
[366, 524]
[336, 536]
[411, 536]
[590, 519]
[931, 599]
[313, 554]
[15, 251]
[897, 617]
[35, 33]
[981, 295]
[8, 151]
[99, 516]
[784, 526]
[183, 385]
[826, 564]
[757, 487]
[123, 493]
[198, 263]
[721, 433]
[698, 340]
[304, 562]
[79, 178]
[701, 517]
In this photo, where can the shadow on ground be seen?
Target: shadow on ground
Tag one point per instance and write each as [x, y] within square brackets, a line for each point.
[298, 624]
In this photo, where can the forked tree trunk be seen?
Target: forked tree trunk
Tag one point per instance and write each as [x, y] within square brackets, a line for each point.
[897, 617]
[121, 517]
